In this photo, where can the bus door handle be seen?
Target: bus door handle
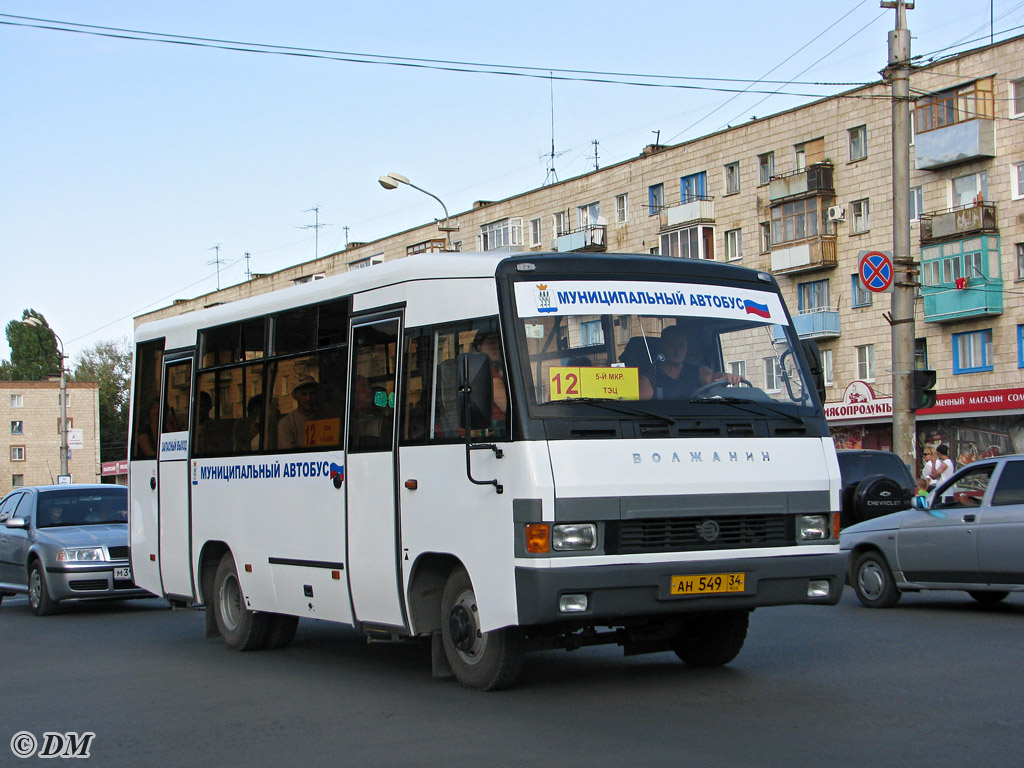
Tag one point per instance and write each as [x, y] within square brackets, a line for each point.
[152, 483]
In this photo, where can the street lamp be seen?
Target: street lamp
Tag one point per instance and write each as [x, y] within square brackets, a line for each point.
[392, 180]
[36, 322]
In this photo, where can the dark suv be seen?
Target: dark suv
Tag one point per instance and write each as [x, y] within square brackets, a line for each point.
[875, 483]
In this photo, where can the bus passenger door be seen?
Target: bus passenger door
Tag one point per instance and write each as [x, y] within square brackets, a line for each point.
[374, 567]
[174, 513]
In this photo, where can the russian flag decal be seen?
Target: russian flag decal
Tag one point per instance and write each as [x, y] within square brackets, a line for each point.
[753, 308]
[337, 471]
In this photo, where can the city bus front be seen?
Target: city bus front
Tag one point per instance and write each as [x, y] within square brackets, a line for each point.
[693, 471]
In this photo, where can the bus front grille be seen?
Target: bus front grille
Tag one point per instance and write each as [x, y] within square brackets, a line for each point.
[697, 534]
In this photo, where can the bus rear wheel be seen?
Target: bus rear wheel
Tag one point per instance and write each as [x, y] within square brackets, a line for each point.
[242, 629]
[486, 661]
[712, 639]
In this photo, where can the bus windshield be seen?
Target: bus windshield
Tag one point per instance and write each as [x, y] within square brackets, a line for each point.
[683, 343]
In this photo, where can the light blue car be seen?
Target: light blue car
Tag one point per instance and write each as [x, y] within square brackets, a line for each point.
[970, 537]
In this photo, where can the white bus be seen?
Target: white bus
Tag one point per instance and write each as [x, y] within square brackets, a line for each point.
[499, 453]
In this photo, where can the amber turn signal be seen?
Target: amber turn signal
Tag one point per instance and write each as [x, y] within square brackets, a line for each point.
[538, 538]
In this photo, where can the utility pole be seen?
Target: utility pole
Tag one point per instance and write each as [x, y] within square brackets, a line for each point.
[906, 272]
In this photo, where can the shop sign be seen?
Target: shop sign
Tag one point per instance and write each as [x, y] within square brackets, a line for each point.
[861, 402]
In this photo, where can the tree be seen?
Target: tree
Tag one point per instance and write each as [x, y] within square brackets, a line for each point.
[34, 353]
[109, 363]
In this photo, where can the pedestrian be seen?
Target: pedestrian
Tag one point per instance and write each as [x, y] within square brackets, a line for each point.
[942, 466]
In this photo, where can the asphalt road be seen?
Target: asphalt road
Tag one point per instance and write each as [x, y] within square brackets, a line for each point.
[936, 681]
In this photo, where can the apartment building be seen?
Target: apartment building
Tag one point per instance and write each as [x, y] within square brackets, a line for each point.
[30, 413]
[802, 194]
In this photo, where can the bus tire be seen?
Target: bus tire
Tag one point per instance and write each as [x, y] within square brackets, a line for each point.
[39, 599]
[711, 639]
[486, 661]
[281, 630]
[987, 597]
[242, 629]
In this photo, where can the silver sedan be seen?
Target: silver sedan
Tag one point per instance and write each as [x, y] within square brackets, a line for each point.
[969, 536]
[64, 542]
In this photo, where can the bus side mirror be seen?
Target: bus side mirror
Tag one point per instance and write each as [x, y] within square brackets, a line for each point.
[475, 394]
[813, 355]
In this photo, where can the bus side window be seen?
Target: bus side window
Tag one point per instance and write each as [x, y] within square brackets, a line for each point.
[146, 399]
[416, 389]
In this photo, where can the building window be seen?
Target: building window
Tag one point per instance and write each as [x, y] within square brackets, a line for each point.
[732, 178]
[655, 251]
[17, 453]
[970, 189]
[588, 214]
[71, 424]
[861, 295]
[738, 368]
[772, 374]
[621, 209]
[866, 362]
[921, 354]
[17, 401]
[957, 105]
[972, 351]
[437, 245]
[1017, 181]
[693, 187]
[558, 223]
[591, 333]
[916, 203]
[861, 216]
[534, 232]
[655, 199]
[1020, 346]
[858, 141]
[695, 242]
[734, 244]
[69, 399]
[1020, 261]
[504, 233]
[17, 427]
[17, 481]
[795, 221]
[765, 167]
[369, 261]
[1017, 98]
[766, 236]
[826, 367]
[812, 296]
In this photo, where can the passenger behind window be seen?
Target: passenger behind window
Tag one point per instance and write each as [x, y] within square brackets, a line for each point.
[489, 343]
[291, 429]
[247, 430]
[213, 436]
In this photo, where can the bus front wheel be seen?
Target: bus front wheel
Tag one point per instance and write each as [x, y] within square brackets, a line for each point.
[712, 639]
[242, 629]
[486, 661]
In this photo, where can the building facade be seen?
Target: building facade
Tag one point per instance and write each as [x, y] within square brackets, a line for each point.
[30, 412]
[802, 194]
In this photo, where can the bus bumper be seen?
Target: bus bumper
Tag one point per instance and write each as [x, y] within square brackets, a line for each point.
[617, 593]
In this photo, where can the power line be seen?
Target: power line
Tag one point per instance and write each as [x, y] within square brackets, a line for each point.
[376, 59]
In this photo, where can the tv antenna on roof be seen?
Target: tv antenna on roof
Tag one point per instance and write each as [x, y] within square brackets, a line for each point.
[216, 260]
[315, 226]
[552, 174]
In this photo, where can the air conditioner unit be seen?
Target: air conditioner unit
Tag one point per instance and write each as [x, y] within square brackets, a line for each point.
[836, 213]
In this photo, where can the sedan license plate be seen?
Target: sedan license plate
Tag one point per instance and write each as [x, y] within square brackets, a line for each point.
[123, 574]
[708, 583]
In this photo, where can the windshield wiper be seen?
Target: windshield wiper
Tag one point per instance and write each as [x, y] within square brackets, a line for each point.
[771, 408]
[615, 406]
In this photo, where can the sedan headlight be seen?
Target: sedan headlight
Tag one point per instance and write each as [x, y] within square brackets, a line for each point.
[812, 527]
[574, 536]
[81, 555]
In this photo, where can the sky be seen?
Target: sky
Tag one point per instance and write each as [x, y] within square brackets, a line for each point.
[125, 163]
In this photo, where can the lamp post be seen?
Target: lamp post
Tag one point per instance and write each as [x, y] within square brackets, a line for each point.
[35, 321]
[392, 180]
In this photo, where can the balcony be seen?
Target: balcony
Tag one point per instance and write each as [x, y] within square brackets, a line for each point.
[815, 179]
[980, 297]
[962, 279]
[813, 324]
[700, 210]
[590, 238]
[804, 255]
[955, 143]
[957, 223]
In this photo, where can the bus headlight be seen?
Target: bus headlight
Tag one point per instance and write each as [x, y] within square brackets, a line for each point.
[812, 527]
[574, 536]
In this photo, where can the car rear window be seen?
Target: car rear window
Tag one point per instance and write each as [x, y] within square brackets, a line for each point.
[77, 507]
